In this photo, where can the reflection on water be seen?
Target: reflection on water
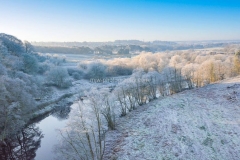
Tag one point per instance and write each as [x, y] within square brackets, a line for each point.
[22, 146]
[49, 127]
[62, 113]
[36, 141]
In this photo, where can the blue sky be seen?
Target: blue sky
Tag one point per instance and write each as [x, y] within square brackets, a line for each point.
[108, 20]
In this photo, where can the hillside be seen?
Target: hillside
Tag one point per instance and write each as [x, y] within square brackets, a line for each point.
[201, 123]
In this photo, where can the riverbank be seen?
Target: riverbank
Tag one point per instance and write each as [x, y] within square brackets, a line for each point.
[56, 99]
[201, 123]
[49, 107]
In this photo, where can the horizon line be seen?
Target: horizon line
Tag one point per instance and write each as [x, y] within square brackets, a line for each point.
[132, 40]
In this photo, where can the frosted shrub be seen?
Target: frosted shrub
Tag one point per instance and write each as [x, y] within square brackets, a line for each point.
[118, 70]
[108, 113]
[43, 67]
[59, 77]
[76, 73]
[96, 70]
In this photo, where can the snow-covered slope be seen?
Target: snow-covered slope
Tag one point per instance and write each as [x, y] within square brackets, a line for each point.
[198, 124]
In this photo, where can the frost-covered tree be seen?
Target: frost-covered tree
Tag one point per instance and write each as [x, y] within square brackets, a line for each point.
[58, 76]
[3, 70]
[28, 47]
[43, 67]
[13, 45]
[16, 104]
[30, 64]
[188, 72]
[76, 73]
[96, 70]
[237, 63]
[152, 79]
[85, 136]
[3, 51]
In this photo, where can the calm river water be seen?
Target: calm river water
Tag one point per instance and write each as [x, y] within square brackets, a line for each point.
[49, 127]
[37, 140]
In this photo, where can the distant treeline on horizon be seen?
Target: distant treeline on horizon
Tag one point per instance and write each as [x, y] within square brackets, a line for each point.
[123, 47]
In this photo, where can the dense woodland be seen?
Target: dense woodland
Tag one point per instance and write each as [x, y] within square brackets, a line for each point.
[24, 76]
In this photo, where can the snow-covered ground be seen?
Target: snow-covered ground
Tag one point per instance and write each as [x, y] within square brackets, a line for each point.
[198, 124]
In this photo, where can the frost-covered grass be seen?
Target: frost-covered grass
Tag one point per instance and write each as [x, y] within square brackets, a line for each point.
[199, 124]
